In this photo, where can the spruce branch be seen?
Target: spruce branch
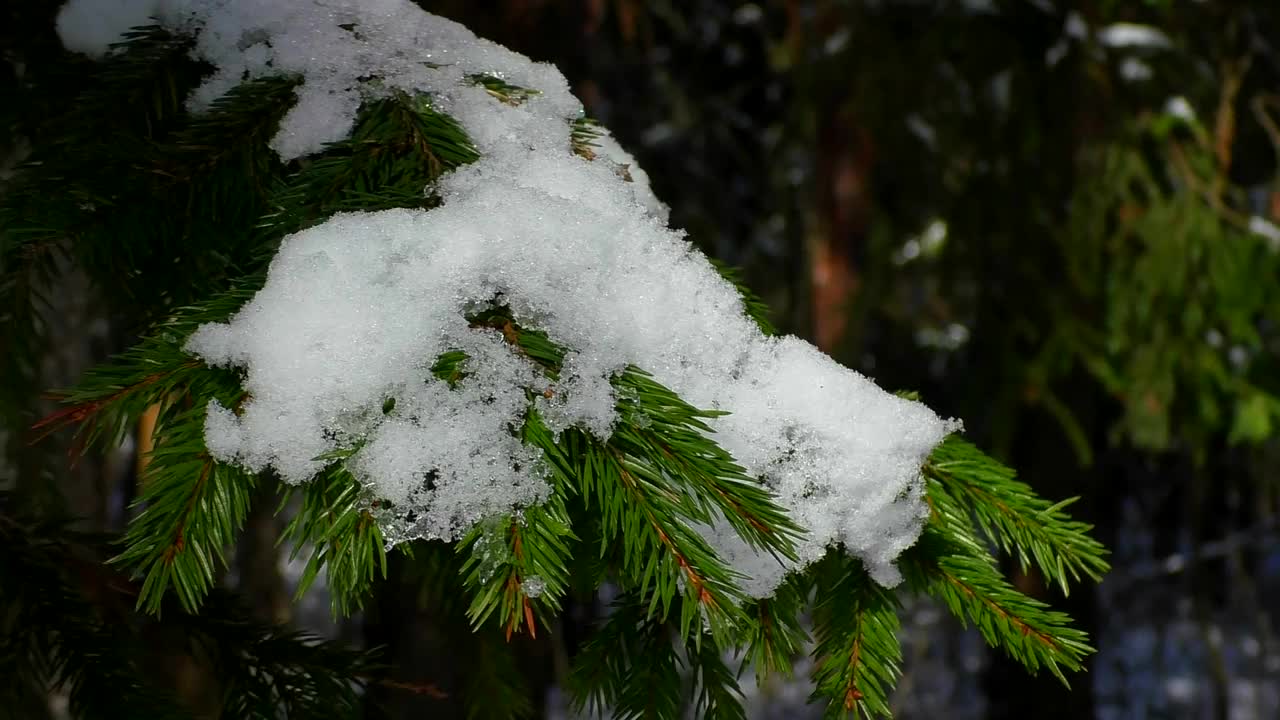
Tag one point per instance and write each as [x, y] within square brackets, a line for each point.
[110, 398]
[192, 508]
[399, 147]
[661, 479]
[675, 437]
[582, 137]
[658, 476]
[271, 672]
[775, 634]
[663, 558]
[520, 563]
[502, 90]
[630, 668]
[97, 192]
[27, 272]
[709, 585]
[219, 168]
[648, 492]
[967, 485]
[857, 654]
[74, 628]
[336, 526]
[494, 686]
[716, 693]
[120, 107]
[652, 485]
[63, 627]
[138, 92]
[668, 439]
[232, 133]
[642, 523]
[967, 580]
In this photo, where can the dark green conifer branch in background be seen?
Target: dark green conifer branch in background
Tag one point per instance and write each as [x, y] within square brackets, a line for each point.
[775, 634]
[494, 685]
[69, 624]
[623, 511]
[55, 633]
[631, 667]
[715, 689]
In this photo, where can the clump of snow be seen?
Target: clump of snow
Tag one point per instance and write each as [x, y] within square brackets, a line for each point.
[356, 310]
[90, 26]
[627, 168]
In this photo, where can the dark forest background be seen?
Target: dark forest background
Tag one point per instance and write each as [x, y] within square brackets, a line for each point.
[1059, 221]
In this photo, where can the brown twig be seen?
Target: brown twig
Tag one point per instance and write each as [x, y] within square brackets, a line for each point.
[1224, 127]
[851, 693]
[430, 690]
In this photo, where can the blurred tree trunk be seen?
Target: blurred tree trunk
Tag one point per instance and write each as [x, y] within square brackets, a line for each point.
[415, 645]
[844, 159]
[258, 559]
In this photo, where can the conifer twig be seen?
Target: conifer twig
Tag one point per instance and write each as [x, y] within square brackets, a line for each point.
[965, 485]
[973, 589]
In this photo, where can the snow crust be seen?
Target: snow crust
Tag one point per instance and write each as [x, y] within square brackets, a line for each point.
[356, 310]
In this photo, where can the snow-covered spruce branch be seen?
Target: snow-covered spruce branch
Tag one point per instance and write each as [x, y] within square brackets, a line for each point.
[446, 309]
